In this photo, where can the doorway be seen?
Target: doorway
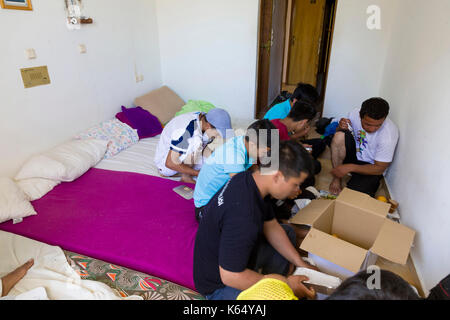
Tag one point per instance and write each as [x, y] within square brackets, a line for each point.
[295, 38]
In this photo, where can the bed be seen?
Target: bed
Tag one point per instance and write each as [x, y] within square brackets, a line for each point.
[121, 223]
[124, 215]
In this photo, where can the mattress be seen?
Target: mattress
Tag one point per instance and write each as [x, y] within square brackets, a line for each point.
[138, 159]
[149, 271]
[132, 220]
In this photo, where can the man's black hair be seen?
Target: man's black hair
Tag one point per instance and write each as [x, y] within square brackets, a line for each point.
[294, 159]
[302, 110]
[375, 108]
[306, 92]
[264, 139]
[392, 287]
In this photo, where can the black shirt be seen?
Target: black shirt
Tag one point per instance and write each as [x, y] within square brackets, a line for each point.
[231, 226]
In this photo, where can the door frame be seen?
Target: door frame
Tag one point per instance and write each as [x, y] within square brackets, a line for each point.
[261, 103]
[263, 61]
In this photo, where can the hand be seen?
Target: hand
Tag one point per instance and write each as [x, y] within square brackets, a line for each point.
[300, 290]
[343, 123]
[310, 266]
[341, 171]
[295, 195]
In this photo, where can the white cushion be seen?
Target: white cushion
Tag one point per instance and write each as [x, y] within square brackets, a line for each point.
[36, 188]
[13, 202]
[66, 162]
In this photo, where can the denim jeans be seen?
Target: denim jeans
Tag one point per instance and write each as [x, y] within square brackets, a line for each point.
[225, 293]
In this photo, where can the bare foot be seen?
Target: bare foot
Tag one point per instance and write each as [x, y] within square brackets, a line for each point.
[335, 186]
[187, 178]
[11, 279]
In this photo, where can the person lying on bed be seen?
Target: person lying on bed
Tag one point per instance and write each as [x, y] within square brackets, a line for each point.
[184, 138]
[238, 234]
[236, 155]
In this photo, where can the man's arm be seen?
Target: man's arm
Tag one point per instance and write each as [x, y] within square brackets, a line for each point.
[240, 280]
[278, 238]
[376, 169]
[173, 162]
[245, 279]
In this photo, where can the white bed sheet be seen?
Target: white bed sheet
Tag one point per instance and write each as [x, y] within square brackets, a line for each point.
[139, 157]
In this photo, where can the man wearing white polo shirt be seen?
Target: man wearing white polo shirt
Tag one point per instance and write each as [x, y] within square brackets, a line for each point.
[183, 140]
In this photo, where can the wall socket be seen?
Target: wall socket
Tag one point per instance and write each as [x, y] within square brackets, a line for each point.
[30, 53]
[139, 78]
[82, 48]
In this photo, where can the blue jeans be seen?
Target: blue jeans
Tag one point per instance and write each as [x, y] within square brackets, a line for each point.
[225, 293]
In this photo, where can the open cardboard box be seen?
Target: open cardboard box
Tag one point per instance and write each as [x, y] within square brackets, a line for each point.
[363, 233]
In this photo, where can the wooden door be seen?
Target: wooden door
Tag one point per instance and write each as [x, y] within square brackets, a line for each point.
[305, 42]
[277, 50]
[265, 45]
[271, 49]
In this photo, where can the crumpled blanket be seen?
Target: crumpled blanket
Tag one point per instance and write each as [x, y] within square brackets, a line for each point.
[50, 271]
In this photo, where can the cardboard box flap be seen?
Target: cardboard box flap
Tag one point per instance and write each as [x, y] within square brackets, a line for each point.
[364, 202]
[309, 214]
[394, 242]
[337, 251]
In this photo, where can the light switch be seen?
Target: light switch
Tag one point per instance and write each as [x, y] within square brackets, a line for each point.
[139, 78]
[30, 54]
[82, 48]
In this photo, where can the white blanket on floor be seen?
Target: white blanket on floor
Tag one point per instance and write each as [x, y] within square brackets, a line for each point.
[50, 271]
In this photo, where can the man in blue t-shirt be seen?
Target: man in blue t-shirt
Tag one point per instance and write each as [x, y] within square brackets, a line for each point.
[236, 155]
[238, 234]
[303, 92]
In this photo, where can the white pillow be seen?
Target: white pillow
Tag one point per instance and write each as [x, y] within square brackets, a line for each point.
[13, 202]
[36, 188]
[65, 162]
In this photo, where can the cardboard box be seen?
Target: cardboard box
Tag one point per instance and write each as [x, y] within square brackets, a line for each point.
[363, 233]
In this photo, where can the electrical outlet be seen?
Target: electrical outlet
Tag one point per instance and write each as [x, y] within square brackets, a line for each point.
[30, 54]
[82, 48]
[139, 78]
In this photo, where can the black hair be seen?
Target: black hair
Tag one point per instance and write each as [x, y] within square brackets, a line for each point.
[264, 139]
[306, 92]
[375, 108]
[302, 110]
[392, 287]
[294, 159]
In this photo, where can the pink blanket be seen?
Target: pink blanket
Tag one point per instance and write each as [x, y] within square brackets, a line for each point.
[133, 220]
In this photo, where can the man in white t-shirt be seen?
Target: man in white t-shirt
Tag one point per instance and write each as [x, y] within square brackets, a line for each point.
[181, 145]
[364, 145]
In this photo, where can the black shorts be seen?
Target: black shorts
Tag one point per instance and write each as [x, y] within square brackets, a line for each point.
[368, 184]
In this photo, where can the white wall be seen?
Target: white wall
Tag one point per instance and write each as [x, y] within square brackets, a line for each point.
[407, 62]
[357, 55]
[209, 51]
[85, 89]
[416, 82]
